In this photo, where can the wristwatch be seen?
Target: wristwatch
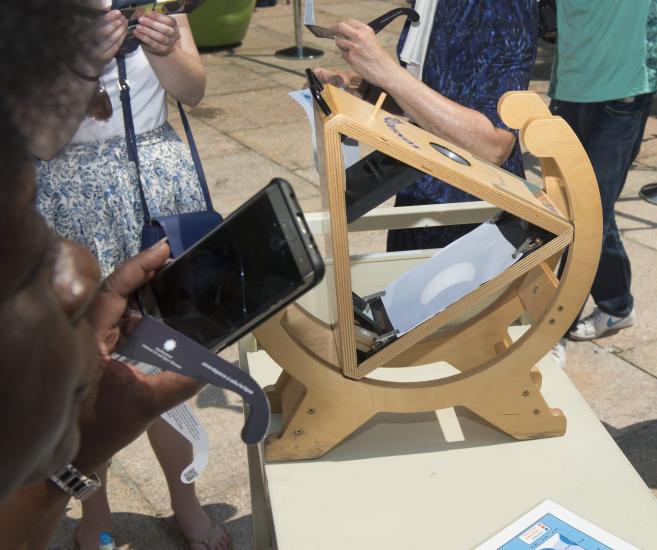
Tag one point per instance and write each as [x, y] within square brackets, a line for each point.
[73, 482]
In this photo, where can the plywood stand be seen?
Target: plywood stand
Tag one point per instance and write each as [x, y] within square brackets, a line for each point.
[325, 394]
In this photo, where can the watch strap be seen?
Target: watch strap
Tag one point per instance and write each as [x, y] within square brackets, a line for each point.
[74, 483]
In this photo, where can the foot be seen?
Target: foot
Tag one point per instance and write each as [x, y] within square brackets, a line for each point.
[558, 352]
[205, 534]
[599, 323]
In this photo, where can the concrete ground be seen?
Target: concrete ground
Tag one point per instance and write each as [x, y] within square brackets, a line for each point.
[248, 131]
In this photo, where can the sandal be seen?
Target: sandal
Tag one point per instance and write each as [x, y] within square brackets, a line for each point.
[211, 532]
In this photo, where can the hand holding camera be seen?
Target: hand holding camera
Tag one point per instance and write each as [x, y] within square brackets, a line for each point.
[111, 33]
[158, 33]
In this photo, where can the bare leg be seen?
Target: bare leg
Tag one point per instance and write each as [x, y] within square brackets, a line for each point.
[175, 453]
[96, 516]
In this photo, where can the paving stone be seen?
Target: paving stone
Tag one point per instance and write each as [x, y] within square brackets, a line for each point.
[230, 79]
[289, 80]
[620, 394]
[210, 142]
[233, 179]
[248, 110]
[290, 146]
[637, 220]
[265, 62]
[309, 174]
[643, 172]
[643, 260]
[644, 356]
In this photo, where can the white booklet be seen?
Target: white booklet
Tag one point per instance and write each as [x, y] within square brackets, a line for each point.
[550, 526]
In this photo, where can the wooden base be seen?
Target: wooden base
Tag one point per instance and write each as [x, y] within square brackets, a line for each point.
[321, 407]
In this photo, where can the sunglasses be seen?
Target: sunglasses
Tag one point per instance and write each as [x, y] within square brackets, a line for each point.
[100, 108]
[377, 24]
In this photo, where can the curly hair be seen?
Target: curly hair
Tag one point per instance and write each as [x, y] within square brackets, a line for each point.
[38, 40]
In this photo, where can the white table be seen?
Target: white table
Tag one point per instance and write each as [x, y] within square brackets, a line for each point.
[417, 482]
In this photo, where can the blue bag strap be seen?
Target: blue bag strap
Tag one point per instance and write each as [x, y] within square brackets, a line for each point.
[130, 136]
[131, 140]
[195, 157]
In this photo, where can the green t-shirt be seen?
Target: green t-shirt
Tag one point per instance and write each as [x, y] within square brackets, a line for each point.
[605, 50]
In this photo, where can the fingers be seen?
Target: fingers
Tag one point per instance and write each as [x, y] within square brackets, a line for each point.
[322, 75]
[344, 44]
[355, 36]
[350, 28]
[109, 305]
[167, 390]
[165, 24]
[150, 394]
[113, 42]
[107, 342]
[136, 271]
[328, 77]
[158, 32]
[106, 36]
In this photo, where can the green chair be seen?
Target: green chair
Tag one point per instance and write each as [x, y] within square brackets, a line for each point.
[221, 22]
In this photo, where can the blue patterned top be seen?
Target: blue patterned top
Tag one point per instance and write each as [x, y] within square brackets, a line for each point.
[478, 50]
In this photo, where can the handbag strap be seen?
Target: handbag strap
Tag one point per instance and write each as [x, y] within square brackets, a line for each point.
[131, 140]
[195, 157]
[130, 136]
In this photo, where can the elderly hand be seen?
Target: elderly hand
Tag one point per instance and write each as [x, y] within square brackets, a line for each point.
[341, 79]
[158, 33]
[362, 51]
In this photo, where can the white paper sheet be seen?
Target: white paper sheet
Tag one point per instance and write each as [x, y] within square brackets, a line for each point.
[182, 419]
[350, 150]
[447, 276]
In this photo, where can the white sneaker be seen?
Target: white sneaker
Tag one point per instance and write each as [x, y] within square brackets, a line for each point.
[598, 324]
[559, 353]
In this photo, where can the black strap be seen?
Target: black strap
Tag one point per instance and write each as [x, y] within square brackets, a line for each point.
[195, 157]
[131, 140]
[130, 137]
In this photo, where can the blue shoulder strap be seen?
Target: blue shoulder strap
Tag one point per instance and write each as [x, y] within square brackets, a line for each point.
[131, 140]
